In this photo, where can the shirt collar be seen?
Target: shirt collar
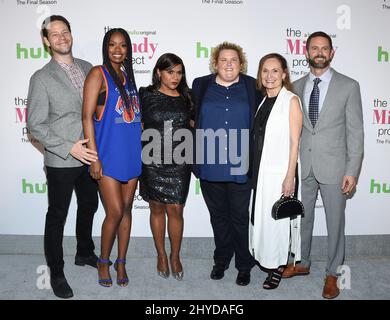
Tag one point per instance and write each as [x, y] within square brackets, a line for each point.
[214, 80]
[66, 66]
[325, 77]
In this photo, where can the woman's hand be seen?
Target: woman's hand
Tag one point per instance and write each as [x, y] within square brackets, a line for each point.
[96, 170]
[288, 186]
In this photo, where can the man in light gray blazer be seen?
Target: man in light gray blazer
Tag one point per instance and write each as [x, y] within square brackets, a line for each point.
[54, 118]
[331, 153]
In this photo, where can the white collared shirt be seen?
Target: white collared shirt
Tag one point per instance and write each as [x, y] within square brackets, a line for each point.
[323, 86]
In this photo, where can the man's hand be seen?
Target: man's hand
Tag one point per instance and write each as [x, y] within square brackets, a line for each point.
[348, 184]
[82, 153]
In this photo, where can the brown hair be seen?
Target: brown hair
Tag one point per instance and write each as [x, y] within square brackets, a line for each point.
[283, 62]
[53, 18]
[319, 34]
[228, 46]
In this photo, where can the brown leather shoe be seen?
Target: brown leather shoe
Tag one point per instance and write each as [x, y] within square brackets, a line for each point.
[297, 270]
[331, 290]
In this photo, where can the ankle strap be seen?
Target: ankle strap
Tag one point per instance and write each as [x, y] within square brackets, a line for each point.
[104, 261]
[120, 261]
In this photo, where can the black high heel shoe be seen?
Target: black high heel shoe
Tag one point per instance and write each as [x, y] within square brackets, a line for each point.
[123, 282]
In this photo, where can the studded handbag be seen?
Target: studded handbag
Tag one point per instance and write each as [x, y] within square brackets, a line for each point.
[287, 207]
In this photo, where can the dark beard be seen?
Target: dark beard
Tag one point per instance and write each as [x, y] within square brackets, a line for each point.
[322, 65]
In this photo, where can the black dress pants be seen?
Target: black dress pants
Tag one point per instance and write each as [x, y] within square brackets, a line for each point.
[60, 184]
[228, 204]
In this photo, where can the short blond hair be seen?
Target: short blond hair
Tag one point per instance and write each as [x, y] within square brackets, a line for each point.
[228, 46]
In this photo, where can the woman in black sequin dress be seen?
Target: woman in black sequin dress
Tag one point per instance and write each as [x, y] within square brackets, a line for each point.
[166, 108]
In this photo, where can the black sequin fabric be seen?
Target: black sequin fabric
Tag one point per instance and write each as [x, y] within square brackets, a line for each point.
[161, 181]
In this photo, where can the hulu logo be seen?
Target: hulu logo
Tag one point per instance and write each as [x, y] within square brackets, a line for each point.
[31, 53]
[376, 187]
[33, 187]
[202, 51]
[382, 54]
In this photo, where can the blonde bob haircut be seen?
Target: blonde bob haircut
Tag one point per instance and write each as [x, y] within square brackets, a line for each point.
[228, 46]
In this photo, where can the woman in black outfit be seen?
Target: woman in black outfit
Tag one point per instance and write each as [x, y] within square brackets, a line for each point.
[166, 107]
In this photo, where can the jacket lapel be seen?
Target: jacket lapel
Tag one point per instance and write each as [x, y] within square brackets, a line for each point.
[300, 91]
[261, 103]
[251, 96]
[279, 100]
[326, 104]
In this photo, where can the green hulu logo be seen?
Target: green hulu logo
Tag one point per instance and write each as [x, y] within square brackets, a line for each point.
[33, 187]
[202, 52]
[382, 54]
[376, 187]
[31, 53]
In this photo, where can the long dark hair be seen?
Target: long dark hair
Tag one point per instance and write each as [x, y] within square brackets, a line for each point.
[166, 62]
[127, 63]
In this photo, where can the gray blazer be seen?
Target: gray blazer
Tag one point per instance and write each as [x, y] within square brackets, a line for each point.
[54, 113]
[334, 148]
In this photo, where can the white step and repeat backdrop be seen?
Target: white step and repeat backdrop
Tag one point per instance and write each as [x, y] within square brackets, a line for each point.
[359, 29]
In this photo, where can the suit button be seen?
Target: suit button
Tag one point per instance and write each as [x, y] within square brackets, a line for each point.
[310, 150]
[313, 133]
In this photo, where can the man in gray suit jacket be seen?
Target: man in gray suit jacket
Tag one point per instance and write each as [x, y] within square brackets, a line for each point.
[54, 118]
[331, 153]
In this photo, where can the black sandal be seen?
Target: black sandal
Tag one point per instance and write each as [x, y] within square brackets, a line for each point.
[273, 279]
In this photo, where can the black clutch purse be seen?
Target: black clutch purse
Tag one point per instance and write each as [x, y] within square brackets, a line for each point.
[287, 207]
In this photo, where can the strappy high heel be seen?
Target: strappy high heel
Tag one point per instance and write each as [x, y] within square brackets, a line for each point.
[123, 282]
[108, 281]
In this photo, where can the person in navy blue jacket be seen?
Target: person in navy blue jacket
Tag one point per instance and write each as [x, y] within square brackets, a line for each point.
[226, 101]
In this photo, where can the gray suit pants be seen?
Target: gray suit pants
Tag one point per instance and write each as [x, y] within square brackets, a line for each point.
[334, 204]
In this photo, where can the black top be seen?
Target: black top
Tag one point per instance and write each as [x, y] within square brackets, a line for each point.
[162, 180]
[259, 126]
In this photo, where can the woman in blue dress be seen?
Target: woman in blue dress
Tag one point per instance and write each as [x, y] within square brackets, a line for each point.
[112, 123]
